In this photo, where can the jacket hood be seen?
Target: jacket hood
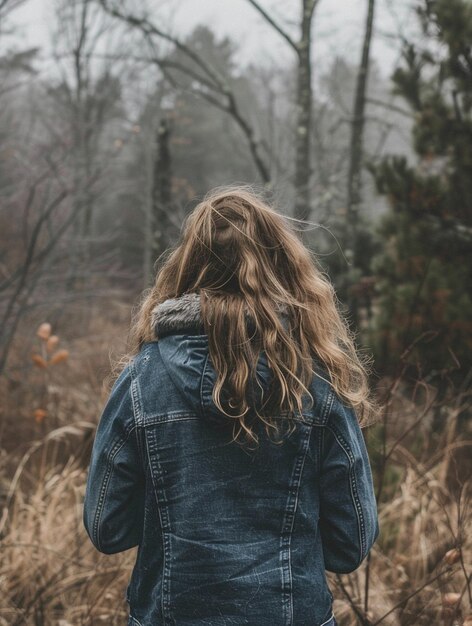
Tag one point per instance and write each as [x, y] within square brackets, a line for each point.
[178, 327]
[182, 315]
[177, 316]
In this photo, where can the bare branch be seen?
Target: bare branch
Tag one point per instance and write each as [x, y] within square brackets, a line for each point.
[9, 5]
[149, 29]
[211, 80]
[230, 107]
[162, 62]
[270, 20]
[390, 106]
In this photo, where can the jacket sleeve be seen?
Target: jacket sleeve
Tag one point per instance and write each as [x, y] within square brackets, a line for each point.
[348, 521]
[114, 496]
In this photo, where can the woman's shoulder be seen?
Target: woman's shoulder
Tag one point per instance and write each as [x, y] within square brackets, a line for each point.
[333, 409]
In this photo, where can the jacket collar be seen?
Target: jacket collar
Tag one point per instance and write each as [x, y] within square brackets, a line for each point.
[182, 315]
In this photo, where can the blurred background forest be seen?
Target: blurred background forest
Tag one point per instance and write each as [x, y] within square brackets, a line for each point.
[116, 116]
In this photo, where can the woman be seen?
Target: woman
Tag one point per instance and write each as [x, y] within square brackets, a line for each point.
[230, 449]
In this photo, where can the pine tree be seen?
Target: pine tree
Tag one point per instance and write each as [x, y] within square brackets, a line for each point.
[423, 275]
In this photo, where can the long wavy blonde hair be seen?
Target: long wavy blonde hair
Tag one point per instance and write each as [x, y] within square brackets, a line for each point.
[245, 257]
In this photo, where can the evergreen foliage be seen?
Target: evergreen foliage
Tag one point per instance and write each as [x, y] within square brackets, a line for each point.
[423, 274]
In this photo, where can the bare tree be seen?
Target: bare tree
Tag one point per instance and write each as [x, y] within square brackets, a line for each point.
[162, 188]
[43, 225]
[48, 181]
[357, 133]
[302, 47]
[7, 6]
[86, 102]
[210, 85]
[75, 41]
[207, 82]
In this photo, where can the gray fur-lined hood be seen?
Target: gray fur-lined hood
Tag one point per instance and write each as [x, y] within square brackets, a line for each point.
[178, 315]
[182, 315]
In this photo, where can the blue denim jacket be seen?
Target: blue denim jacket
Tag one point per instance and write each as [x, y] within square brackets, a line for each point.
[225, 536]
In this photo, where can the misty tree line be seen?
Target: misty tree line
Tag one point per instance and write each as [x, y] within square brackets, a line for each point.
[103, 154]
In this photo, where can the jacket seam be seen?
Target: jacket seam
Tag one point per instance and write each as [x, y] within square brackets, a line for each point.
[320, 450]
[137, 411]
[202, 406]
[165, 593]
[353, 489]
[324, 413]
[327, 406]
[106, 481]
[135, 395]
[287, 530]
[161, 419]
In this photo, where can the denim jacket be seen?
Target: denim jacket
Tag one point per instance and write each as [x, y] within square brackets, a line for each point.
[225, 536]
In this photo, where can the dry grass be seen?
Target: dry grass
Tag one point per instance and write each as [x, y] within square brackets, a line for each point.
[415, 563]
[50, 574]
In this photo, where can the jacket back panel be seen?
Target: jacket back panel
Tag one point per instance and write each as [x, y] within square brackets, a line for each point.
[238, 526]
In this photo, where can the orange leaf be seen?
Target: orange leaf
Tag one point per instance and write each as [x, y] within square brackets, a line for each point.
[39, 361]
[60, 355]
[39, 415]
[44, 330]
[52, 343]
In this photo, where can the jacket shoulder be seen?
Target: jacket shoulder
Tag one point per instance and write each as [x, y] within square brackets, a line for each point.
[341, 417]
[323, 393]
[119, 405]
[141, 359]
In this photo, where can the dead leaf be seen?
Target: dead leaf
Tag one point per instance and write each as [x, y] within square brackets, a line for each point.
[59, 356]
[39, 361]
[39, 415]
[44, 330]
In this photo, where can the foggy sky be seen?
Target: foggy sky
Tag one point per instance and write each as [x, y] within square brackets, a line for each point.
[338, 27]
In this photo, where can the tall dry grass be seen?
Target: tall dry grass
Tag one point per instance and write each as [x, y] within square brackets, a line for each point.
[50, 573]
[419, 571]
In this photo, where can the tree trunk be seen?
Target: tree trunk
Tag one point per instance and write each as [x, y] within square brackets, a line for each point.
[302, 47]
[162, 192]
[303, 130]
[357, 135]
[354, 192]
